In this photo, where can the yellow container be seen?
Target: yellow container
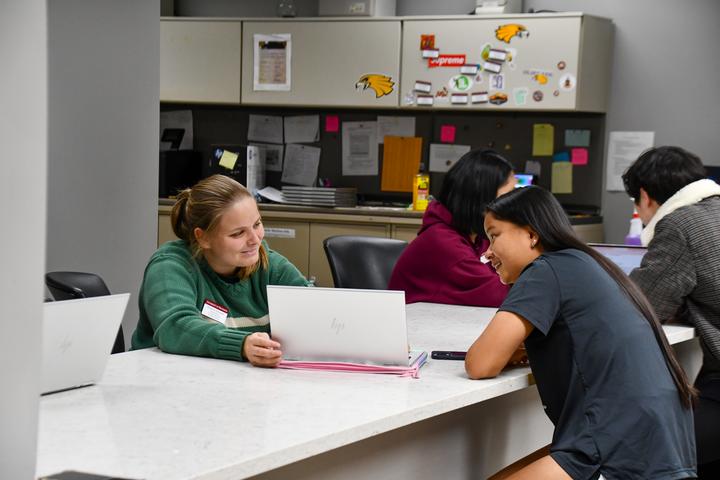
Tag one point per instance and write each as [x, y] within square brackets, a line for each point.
[421, 191]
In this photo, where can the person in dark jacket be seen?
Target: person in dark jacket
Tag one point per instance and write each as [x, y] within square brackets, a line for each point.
[680, 273]
[443, 264]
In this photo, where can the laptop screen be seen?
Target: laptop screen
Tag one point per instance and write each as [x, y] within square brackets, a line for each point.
[339, 324]
[627, 257]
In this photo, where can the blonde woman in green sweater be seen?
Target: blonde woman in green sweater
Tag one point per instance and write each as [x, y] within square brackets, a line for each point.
[205, 294]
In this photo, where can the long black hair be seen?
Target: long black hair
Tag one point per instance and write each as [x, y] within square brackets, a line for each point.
[538, 209]
[470, 185]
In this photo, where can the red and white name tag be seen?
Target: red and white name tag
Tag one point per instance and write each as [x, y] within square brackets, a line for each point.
[215, 311]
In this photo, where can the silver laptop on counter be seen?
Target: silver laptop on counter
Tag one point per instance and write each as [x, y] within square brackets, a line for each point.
[627, 257]
[77, 338]
[340, 324]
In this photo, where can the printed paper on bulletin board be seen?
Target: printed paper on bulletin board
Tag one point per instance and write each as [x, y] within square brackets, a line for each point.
[401, 161]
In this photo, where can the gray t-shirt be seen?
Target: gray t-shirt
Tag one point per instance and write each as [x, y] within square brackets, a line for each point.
[601, 374]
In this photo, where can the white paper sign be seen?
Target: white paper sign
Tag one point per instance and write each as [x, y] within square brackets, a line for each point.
[271, 62]
[264, 128]
[623, 149]
[272, 194]
[301, 164]
[359, 148]
[459, 98]
[275, 232]
[255, 169]
[177, 119]
[271, 155]
[302, 129]
[443, 155]
[394, 127]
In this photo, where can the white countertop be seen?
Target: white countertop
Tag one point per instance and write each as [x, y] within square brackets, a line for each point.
[161, 416]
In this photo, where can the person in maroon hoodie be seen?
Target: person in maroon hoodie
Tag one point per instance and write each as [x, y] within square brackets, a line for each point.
[443, 265]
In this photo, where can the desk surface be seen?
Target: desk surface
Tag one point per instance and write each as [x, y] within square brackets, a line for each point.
[160, 416]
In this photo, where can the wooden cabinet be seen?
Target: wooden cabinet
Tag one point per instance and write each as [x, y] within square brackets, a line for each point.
[291, 239]
[298, 234]
[329, 62]
[405, 232]
[200, 61]
[165, 232]
[526, 62]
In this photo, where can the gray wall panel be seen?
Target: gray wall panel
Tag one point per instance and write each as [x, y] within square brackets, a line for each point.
[23, 136]
[103, 140]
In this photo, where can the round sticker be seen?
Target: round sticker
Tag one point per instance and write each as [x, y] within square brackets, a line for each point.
[561, 65]
[556, 93]
[537, 96]
[567, 82]
[461, 83]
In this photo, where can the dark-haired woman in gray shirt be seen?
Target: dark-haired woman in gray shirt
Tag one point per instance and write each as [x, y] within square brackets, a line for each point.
[608, 379]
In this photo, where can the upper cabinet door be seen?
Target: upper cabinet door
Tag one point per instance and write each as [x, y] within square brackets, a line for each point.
[321, 63]
[509, 62]
[200, 61]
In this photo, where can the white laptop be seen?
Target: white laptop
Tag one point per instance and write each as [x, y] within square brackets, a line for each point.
[627, 257]
[78, 336]
[340, 324]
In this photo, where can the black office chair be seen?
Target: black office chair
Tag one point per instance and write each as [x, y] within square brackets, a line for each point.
[69, 285]
[362, 262]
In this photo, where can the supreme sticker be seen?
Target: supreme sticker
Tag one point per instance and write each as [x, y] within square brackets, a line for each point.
[447, 60]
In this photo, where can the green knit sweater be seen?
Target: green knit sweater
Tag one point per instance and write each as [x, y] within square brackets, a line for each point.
[174, 289]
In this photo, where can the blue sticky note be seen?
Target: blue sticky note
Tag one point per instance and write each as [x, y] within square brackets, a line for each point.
[577, 138]
[561, 157]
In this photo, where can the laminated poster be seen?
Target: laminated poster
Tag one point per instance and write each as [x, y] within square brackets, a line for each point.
[623, 149]
[271, 62]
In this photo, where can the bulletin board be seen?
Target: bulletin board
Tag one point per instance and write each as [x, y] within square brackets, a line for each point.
[509, 133]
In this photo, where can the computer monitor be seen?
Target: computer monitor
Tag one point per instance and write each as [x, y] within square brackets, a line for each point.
[525, 179]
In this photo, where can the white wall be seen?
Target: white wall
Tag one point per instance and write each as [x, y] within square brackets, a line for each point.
[665, 78]
[103, 75]
[23, 136]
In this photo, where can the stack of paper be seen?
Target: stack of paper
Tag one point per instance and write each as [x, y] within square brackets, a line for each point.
[411, 371]
[324, 197]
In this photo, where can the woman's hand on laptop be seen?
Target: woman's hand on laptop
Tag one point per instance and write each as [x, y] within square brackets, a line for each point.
[262, 351]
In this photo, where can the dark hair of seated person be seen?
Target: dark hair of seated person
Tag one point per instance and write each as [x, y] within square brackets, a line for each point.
[470, 185]
[661, 172]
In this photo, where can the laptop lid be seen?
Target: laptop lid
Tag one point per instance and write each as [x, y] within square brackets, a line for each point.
[339, 324]
[77, 337]
[627, 257]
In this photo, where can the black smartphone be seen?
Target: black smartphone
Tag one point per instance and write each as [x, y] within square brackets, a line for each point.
[445, 355]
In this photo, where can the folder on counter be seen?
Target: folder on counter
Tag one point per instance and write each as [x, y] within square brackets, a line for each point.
[411, 371]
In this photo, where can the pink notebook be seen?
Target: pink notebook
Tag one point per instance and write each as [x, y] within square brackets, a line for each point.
[411, 371]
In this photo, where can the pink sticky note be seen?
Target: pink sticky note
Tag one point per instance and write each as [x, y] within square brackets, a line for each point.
[579, 156]
[447, 134]
[332, 123]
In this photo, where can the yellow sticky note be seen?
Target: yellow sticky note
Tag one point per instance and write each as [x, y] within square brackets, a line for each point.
[562, 177]
[228, 159]
[543, 140]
